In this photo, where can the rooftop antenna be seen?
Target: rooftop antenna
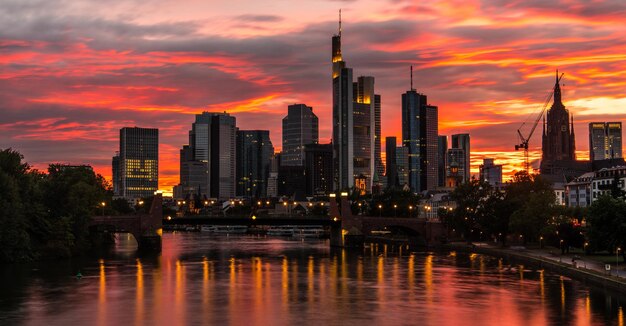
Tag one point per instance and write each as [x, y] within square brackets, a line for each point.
[339, 22]
[411, 77]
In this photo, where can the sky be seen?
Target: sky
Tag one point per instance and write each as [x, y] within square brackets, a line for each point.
[73, 72]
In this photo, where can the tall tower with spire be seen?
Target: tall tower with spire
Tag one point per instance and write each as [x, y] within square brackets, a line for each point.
[558, 143]
[343, 117]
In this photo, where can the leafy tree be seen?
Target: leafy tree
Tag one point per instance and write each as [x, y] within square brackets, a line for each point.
[14, 238]
[474, 205]
[607, 224]
[406, 203]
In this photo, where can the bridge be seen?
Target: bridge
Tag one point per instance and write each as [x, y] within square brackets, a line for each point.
[249, 221]
[356, 228]
[146, 228]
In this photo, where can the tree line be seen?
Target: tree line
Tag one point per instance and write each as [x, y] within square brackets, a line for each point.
[47, 215]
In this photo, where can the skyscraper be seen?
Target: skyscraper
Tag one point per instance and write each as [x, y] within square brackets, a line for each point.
[138, 163]
[558, 140]
[254, 153]
[363, 133]
[391, 162]
[462, 141]
[354, 124]
[300, 127]
[212, 148]
[318, 169]
[605, 140]
[402, 164]
[442, 148]
[419, 134]
[379, 168]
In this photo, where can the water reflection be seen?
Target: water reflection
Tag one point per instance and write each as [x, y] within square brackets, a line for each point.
[201, 279]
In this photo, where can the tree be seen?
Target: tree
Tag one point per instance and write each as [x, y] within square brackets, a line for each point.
[607, 224]
[474, 205]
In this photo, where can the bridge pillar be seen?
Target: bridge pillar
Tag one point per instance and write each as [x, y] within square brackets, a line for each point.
[336, 238]
[149, 239]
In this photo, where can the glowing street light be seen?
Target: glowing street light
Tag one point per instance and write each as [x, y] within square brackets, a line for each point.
[380, 210]
[103, 204]
[617, 261]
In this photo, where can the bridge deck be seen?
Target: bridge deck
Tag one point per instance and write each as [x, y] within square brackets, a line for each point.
[245, 220]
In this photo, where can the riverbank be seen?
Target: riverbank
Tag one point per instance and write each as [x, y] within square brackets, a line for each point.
[591, 274]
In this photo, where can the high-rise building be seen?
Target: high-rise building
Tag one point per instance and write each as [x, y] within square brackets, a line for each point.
[605, 140]
[363, 133]
[300, 127]
[455, 167]
[442, 148]
[419, 134]
[208, 164]
[391, 162]
[402, 164]
[462, 141]
[318, 169]
[379, 168]
[254, 153]
[354, 125]
[116, 174]
[491, 173]
[137, 174]
[558, 140]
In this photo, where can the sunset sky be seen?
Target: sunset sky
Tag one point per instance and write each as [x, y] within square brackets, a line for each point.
[72, 73]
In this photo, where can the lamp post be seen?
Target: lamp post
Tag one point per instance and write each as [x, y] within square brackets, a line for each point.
[380, 210]
[561, 247]
[541, 242]
[395, 209]
[410, 211]
[360, 209]
[103, 204]
[617, 261]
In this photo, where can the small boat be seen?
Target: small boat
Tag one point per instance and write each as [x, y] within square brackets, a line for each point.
[229, 229]
[297, 231]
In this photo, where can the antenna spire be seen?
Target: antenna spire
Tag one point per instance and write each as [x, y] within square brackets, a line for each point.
[339, 22]
[411, 77]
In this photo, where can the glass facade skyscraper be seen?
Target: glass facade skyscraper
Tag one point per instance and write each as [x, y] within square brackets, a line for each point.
[254, 154]
[605, 140]
[138, 163]
[300, 128]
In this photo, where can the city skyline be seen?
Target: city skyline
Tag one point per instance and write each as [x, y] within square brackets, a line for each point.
[67, 91]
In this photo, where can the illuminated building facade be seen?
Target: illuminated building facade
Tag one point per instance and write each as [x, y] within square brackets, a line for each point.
[254, 153]
[300, 127]
[491, 173]
[137, 174]
[356, 130]
[208, 163]
[420, 136]
[462, 141]
[455, 167]
[605, 140]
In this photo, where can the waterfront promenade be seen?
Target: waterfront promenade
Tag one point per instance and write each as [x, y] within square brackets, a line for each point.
[576, 265]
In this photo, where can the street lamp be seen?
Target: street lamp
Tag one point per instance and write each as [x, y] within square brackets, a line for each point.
[395, 208]
[617, 261]
[561, 247]
[380, 210]
[410, 211]
[541, 242]
[103, 204]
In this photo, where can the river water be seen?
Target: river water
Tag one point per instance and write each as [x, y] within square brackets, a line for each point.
[202, 279]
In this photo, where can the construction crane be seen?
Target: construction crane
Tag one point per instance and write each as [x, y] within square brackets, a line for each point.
[523, 141]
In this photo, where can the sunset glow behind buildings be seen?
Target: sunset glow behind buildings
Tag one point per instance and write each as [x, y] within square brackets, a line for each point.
[72, 73]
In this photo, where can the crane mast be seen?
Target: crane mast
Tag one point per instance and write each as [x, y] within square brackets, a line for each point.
[523, 140]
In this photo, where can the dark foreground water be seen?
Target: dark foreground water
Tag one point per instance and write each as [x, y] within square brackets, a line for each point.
[201, 279]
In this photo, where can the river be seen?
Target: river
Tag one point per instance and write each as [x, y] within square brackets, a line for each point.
[202, 279]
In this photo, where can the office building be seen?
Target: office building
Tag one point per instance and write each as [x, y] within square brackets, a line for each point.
[318, 169]
[391, 162]
[364, 108]
[420, 136]
[605, 140]
[379, 167]
[208, 163]
[491, 173]
[402, 164]
[442, 148]
[137, 172]
[254, 153]
[300, 127]
[462, 141]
